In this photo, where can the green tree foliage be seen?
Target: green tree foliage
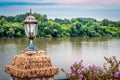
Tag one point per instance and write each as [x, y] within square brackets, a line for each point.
[61, 21]
[12, 26]
[75, 29]
[52, 29]
[65, 28]
[105, 22]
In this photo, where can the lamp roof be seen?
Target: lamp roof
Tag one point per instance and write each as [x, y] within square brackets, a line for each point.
[30, 19]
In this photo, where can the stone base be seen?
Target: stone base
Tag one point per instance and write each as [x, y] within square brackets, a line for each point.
[31, 64]
[40, 78]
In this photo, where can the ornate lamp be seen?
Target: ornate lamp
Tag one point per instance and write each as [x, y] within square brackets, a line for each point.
[31, 63]
[31, 27]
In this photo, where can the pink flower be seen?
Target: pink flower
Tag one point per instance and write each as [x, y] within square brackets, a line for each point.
[117, 74]
[93, 66]
[79, 71]
[99, 68]
[81, 76]
[73, 74]
[82, 69]
[94, 75]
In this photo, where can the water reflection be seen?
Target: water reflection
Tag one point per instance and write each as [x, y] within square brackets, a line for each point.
[63, 51]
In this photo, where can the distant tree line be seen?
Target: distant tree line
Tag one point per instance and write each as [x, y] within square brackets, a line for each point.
[12, 26]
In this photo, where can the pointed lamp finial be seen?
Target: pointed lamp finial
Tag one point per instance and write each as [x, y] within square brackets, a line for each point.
[30, 11]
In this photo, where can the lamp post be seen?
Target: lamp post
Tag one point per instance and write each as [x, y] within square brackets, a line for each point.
[31, 27]
[31, 63]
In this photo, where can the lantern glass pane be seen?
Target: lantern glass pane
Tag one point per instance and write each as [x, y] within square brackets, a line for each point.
[31, 30]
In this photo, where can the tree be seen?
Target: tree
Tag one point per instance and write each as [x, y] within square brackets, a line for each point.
[75, 29]
[12, 26]
[10, 32]
[52, 29]
[65, 30]
[61, 21]
[105, 22]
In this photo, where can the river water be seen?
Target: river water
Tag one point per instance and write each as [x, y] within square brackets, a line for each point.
[63, 51]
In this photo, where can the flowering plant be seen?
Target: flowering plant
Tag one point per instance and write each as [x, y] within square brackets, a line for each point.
[109, 71]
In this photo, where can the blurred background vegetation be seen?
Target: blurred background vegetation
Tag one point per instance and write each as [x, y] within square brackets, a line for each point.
[12, 26]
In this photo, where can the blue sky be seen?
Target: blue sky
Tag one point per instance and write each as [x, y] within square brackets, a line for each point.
[98, 9]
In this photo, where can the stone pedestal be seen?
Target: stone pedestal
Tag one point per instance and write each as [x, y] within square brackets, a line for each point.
[39, 78]
[31, 65]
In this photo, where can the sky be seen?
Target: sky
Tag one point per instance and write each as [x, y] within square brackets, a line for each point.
[97, 9]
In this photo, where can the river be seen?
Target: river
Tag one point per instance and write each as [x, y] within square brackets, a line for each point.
[63, 51]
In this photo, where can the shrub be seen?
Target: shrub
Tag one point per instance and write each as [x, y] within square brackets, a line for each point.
[109, 71]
